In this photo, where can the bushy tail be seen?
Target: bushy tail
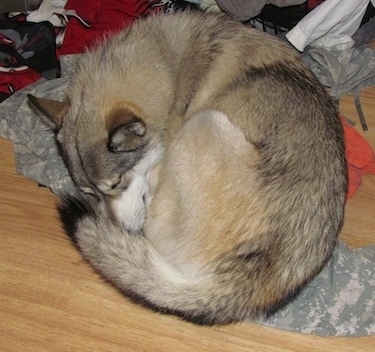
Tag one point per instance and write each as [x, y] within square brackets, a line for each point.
[242, 285]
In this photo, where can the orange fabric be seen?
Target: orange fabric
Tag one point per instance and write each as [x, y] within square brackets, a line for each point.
[360, 157]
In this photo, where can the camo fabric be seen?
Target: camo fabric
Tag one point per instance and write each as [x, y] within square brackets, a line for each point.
[341, 299]
[37, 156]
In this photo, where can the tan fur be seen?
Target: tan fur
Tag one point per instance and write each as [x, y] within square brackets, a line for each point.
[246, 205]
[208, 172]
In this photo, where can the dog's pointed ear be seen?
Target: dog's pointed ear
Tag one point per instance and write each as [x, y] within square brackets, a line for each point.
[53, 112]
[125, 132]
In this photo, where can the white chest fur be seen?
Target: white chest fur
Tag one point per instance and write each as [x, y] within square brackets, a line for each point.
[130, 206]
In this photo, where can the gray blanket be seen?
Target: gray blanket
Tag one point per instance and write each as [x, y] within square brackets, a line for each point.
[339, 301]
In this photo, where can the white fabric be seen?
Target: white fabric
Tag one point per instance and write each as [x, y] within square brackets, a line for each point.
[54, 12]
[329, 25]
[47, 12]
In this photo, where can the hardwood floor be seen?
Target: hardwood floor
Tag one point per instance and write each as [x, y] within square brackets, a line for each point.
[51, 300]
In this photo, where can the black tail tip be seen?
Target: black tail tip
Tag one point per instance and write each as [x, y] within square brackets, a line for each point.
[71, 210]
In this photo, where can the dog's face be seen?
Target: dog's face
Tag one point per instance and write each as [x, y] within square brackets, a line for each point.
[99, 146]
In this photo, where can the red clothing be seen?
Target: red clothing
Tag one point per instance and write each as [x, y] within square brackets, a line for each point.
[313, 3]
[10, 82]
[104, 16]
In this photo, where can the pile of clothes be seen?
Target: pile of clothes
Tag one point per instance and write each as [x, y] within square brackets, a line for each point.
[77, 26]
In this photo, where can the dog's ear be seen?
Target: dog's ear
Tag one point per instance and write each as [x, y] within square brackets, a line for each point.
[53, 112]
[125, 130]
